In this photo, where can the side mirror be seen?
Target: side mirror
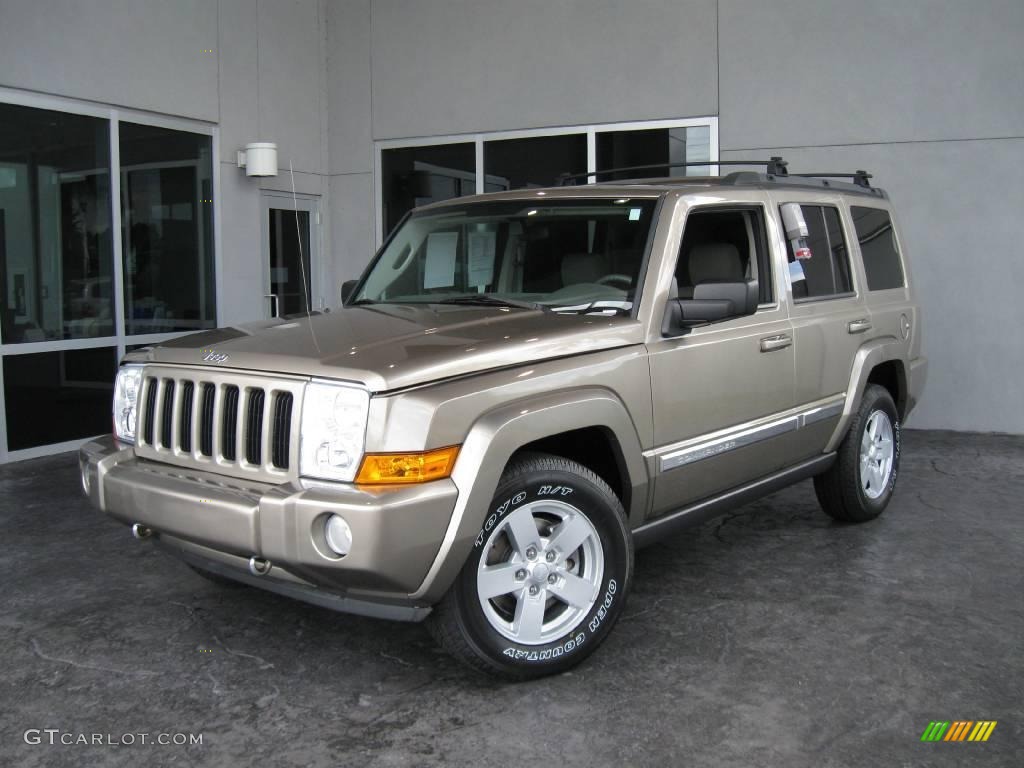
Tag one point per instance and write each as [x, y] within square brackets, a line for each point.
[346, 290]
[711, 302]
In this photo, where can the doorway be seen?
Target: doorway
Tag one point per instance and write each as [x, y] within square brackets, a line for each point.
[291, 262]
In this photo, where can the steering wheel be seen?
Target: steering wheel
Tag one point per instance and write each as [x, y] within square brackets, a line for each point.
[624, 280]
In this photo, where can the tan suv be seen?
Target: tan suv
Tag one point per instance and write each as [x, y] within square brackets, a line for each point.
[521, 389]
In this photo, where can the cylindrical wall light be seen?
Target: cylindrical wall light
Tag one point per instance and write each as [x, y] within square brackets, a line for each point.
[259, 159]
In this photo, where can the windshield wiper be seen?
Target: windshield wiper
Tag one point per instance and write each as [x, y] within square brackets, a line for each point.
[591, 308]
[487, 300]
[361, 303]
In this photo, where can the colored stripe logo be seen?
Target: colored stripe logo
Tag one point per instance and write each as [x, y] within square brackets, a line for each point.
[958, 730]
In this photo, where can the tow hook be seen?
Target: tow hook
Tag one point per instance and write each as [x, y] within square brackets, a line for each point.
[140, 531]
[258, 566]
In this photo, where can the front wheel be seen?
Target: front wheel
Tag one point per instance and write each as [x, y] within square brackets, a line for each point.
[547, 577]
[858, 486]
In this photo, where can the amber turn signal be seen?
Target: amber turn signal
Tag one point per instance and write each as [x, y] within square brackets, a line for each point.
[402, 468]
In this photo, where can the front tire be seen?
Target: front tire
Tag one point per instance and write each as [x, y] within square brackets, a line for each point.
[857, 488]
[548, 575]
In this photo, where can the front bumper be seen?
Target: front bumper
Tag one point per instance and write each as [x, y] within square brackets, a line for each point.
[219, 523]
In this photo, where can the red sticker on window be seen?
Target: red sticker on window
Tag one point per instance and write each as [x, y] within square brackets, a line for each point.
[803, 253]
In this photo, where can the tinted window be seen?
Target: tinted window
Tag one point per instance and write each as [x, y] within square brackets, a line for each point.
[823, 268]
[532, 162]
[650, 146]
[51, 397]
[413, 176]
[878, 248]
[724, 246]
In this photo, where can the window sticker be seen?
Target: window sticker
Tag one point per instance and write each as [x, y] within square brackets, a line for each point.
[439, 271]
[796, 272]
[634, 214]
[481, 247]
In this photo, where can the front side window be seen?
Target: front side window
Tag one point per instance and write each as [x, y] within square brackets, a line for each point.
[579, 255]
[724, 245]
[819, 266]
[878, 248]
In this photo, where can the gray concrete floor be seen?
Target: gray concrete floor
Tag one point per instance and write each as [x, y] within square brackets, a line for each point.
[771, 637]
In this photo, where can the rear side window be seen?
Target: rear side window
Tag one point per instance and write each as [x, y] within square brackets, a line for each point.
[820, 265]
[878, 247]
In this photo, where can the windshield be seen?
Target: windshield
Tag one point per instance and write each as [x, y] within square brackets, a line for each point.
[565, 255]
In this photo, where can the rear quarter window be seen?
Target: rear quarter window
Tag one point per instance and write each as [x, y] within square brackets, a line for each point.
[878, 248]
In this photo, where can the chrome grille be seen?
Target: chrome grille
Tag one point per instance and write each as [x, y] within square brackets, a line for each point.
[230, 423]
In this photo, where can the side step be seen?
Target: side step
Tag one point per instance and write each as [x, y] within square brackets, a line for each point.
[702, 511]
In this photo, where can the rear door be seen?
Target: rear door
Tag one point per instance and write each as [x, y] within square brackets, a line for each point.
[829, 316]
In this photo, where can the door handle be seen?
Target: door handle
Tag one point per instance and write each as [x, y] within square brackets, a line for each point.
[772, 343]
[274, 312]
[858, 326]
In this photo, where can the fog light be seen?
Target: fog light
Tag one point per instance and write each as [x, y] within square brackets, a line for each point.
[338, 534]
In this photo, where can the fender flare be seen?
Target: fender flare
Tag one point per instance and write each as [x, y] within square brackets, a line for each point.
[866, 358]
[491, 442]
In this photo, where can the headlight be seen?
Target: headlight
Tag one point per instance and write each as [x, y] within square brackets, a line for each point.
[333, 429]
[126, 400]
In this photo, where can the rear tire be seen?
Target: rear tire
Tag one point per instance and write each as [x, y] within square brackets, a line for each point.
[858, 486]
[547, 577]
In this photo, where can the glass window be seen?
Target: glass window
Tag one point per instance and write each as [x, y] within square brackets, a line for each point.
[414, 176]
[724, 246]
[534, 162]
[167, 222]
[623, 149]
[55, 232]
[52, 397]
[878, 248]
[820, 265]
[573, 255]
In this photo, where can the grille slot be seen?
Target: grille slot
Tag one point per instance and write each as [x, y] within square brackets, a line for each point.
[149, 415]
[185, 425]
[229, 424]
[206, 419]
[167, 414]
[282, 429]
[254, 427]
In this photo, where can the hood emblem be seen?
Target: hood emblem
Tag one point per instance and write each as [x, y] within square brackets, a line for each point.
[213, 356]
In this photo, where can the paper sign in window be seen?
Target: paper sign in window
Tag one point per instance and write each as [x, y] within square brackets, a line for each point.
[481, 257]
[439, 271]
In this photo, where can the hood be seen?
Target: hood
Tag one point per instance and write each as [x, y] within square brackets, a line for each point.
[392, 346]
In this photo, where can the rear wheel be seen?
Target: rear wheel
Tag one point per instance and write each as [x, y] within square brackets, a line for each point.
[547, 577]
[857, 488]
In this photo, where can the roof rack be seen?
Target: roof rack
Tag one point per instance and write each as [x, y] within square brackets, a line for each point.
[860, 178]
[775, 169]
[774, 166]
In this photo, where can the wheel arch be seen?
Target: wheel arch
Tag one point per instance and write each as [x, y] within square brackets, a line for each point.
[552, 419]
[883, 362]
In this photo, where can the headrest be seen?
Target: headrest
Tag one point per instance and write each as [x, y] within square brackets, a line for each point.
[715, 262]
[582, 268]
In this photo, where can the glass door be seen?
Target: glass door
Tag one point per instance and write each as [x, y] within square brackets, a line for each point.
[290, 257]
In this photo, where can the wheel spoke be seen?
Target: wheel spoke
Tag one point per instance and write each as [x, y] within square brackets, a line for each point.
[574, 591]
[529, 618]
[885, 448]
[495, 580]
[569, 535]
[873, 426]
[876, 476]
[522, 530]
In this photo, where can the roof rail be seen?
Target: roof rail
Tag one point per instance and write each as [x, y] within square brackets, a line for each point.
[774, 166]
[860, 178]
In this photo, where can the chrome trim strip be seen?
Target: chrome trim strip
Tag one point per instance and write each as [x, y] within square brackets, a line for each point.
[690, 452]
[731, 442]
[821, 413]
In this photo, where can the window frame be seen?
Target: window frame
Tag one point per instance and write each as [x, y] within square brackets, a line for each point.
[479, 138]
[119, 340]
[854, 291]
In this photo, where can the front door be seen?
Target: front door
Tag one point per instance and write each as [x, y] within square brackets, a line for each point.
[722, 391]
[290, 257]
